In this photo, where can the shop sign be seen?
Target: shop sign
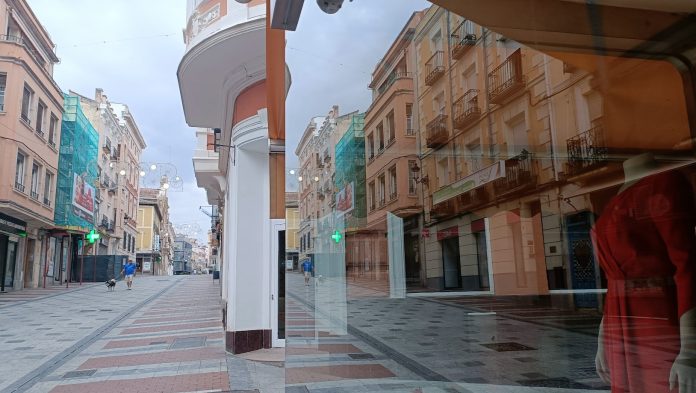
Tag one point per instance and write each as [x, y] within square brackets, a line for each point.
[12, 225]
[476, 179]
[425, 232]
[448, 233]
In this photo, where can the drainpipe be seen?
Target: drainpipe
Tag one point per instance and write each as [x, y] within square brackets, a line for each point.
[552, 118]
[484, 33]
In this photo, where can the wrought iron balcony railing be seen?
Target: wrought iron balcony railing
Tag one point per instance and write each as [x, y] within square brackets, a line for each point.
[466, 109]
[434, 68]
[519, 174]
[443, 209]
[19, 187]
[436, 133]
[463, 39]
[587, 150]
[506, 79]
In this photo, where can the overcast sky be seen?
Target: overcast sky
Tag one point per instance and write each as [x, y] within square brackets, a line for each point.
[131, 49]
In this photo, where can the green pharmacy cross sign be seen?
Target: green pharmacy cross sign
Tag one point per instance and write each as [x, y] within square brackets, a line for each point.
[92, 236]
[337, 236]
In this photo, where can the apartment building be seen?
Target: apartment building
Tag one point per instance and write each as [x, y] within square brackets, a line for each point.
[391, 154]
[31, 106]
[317, 154]
[292, 226]
[128, 162]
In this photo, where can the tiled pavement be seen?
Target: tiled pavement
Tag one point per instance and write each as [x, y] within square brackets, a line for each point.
[165, 335]
[12, 298]
[432, 345]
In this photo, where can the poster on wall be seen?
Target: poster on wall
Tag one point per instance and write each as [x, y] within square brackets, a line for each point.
[345, 199]
[147, 266]
[83, 198]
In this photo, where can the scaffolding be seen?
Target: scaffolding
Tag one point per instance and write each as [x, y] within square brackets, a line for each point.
[350, 169]
[77, 164]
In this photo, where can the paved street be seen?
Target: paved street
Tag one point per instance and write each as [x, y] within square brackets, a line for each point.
[456, 344]
[165, 335]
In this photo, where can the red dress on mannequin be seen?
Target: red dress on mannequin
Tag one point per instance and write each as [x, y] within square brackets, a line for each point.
[645, 244]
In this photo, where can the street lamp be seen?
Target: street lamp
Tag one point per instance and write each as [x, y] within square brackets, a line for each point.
[153, 167]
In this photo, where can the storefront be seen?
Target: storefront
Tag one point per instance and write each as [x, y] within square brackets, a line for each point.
[12, 234]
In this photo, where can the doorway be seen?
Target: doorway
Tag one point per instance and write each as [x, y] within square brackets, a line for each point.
[450, 261]
[29, 263]
[583, 265]
[278, 283]
[8, 258]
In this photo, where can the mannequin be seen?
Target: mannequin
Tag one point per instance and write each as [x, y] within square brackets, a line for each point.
[646, 245]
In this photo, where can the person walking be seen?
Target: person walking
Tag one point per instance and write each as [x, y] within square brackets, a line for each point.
[129, 271]
[307, 269]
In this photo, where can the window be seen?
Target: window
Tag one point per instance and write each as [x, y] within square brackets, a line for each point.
[27, 98]
[382, 190]
[390, 127]
[469, 78]
[380, 136]
[52, 130]
[125, 236]
[40, 117]
[442, 172]
[3, 85]
[474, 152]
[439, 104]
[412, 177]
[35, 174]
[20, 172]
[517, 135]
[48, 188]
[436, 41]
[371, 146]
[372, 195]
[410, 131]
[392, 183]
[458, 159]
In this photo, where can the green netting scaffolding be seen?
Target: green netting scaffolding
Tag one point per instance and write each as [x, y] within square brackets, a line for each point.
[77, 169]
[350, 172]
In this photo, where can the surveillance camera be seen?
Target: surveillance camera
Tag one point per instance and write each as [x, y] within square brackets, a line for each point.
[330, 6]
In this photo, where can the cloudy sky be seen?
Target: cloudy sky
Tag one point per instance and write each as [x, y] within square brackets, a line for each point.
[131, 49]
[331, 58]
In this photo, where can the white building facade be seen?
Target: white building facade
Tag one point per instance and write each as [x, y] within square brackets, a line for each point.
[222, 81]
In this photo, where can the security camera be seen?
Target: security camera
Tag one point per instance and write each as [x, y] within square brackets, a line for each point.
[330, 6]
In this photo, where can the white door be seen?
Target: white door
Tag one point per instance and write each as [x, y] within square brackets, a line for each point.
[277, 275]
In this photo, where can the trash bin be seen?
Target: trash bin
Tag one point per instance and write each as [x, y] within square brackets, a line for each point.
[216, 275]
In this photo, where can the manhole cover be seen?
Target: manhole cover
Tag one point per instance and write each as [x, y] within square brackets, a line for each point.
[508, 347]
[361, 356]
[81, 373]
[188, 342]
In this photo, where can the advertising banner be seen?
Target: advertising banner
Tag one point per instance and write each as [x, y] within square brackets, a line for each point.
[476, 179]
[83, 198]
[345, 199]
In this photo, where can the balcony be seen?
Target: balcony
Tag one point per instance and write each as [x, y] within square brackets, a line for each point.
[104, 222]
[466, 109]
[19, 187]
[472, 199]
[111, 226]
[463, 39]
[436, 132]
[410, 130]
[443, 210]
[34, 195]
[519, 175]
[434, 68]
[47, 202]
[393, 77]
[586, 151]
[506, 79]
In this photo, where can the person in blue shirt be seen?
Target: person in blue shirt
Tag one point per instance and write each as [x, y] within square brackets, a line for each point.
[307, 269]
[129, 270]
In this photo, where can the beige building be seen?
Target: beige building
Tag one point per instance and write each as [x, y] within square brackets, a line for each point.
[128, 156]
[292, 227]
[493, 158]
[391, 154]
[31, 104]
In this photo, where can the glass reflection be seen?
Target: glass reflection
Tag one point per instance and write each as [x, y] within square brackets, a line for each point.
[504, 216]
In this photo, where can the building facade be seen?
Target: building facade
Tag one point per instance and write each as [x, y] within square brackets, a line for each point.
[153, 239]
[31, 104]
[232, 80]
[183, 255]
